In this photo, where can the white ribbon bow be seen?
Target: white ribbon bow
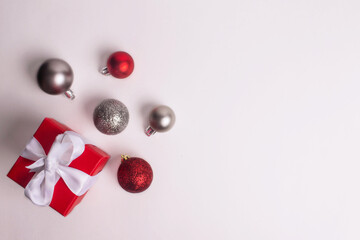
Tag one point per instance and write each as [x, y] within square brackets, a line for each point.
[50, 168]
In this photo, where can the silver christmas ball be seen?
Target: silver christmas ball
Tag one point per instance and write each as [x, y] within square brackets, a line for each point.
[55, 76]
[111, 116]
[162, 118]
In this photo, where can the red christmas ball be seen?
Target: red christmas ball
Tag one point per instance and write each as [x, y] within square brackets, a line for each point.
[120, 64]
[135, 174]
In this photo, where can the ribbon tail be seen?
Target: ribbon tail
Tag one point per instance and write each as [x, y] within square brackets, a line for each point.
[77, 181]
[40, 189]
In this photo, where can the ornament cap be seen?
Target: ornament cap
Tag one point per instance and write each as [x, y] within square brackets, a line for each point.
[149, 131]
[124, 157]
[105, 71]
[70, 94]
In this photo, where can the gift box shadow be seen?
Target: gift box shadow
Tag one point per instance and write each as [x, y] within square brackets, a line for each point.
[18, 132]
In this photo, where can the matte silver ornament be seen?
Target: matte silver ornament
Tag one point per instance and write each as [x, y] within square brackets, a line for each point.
[161, 119]
[55, 76]
[111, 116]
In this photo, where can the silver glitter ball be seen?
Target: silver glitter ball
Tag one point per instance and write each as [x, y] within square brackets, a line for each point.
[55, 76]
[111, 116]
[162, 118]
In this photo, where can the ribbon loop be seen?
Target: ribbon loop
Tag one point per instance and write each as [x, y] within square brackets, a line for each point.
[50, 168]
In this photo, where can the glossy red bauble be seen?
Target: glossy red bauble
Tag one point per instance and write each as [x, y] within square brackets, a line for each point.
[135, 175]
[120, 64]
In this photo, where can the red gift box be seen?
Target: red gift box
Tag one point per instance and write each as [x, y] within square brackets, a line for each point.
[91, 162]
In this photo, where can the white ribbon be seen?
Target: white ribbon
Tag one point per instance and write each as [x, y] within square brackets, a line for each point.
[50, 168]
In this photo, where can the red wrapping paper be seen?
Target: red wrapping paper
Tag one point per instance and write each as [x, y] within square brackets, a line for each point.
[92, 161]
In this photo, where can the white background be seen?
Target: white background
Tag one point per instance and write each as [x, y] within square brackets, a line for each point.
[266, 93]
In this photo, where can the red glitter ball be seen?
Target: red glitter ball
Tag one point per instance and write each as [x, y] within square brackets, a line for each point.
[120, 64]
[135, 175]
